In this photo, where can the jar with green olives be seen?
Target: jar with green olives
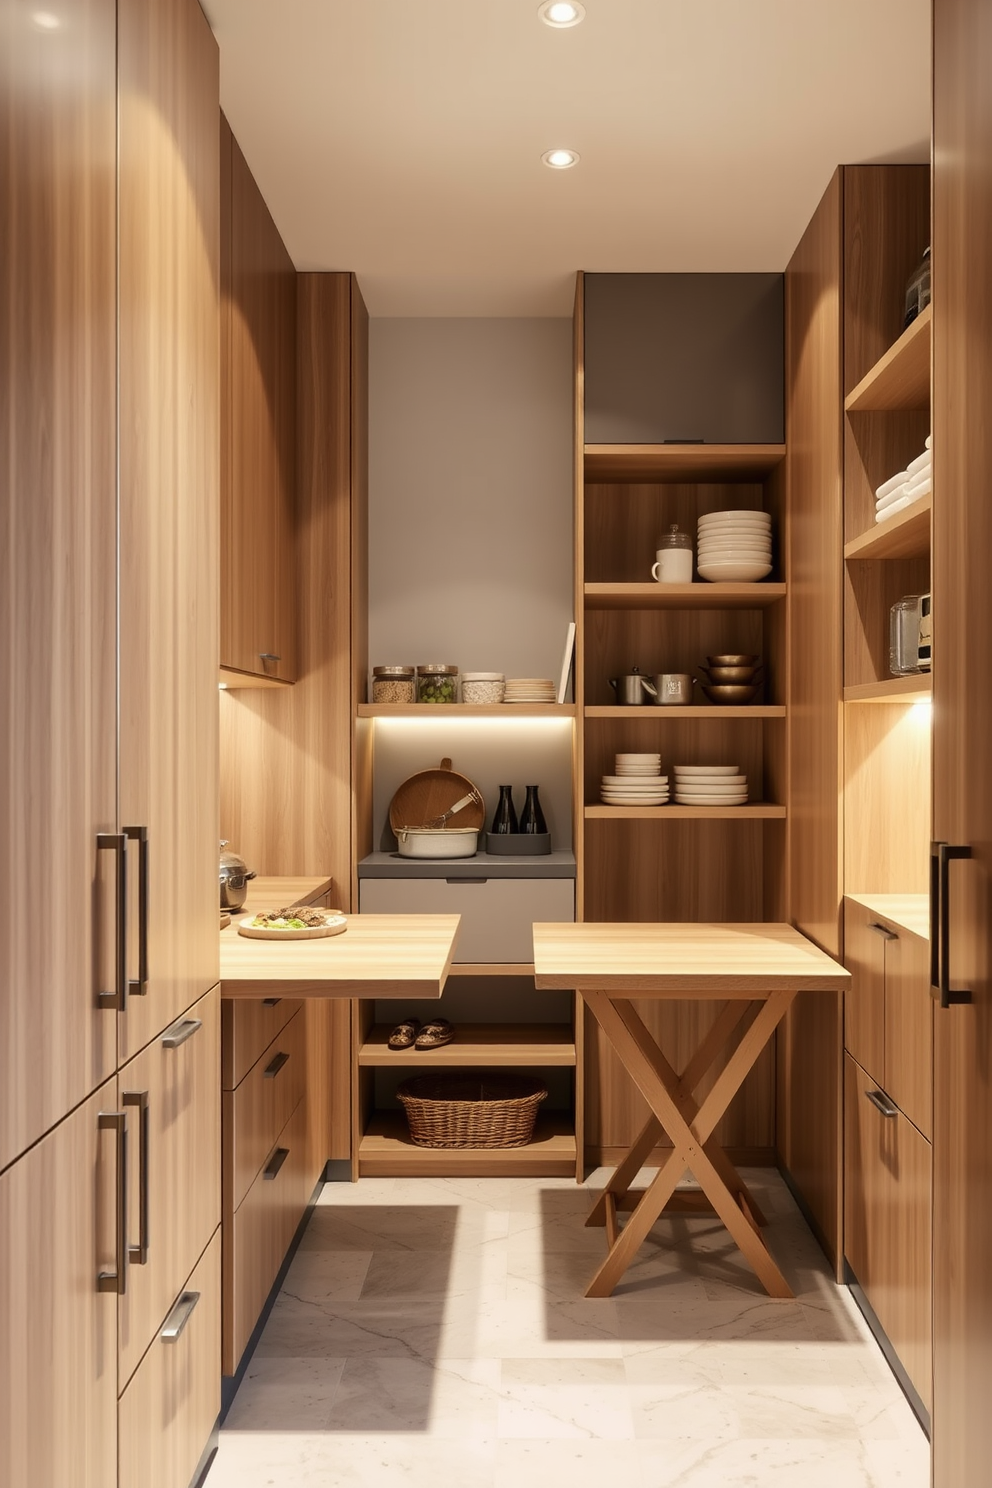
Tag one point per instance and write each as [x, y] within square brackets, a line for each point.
[437, 683]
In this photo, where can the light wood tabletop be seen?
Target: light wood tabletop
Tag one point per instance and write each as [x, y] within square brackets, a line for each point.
[407, 956]
[683, 959]
[266, 894]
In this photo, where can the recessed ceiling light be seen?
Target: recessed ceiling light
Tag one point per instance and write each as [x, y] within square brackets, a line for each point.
[561, 13]
[560, 159]
[45, 21]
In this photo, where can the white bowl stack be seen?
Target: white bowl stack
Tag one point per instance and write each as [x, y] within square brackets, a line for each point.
[734, 547]
[529, 690]
[710, 785]
[638, 782]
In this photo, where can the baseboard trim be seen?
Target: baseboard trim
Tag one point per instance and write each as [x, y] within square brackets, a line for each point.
[741, 1157]
[891, 1357]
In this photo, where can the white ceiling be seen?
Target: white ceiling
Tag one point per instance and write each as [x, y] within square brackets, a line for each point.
[403, 138]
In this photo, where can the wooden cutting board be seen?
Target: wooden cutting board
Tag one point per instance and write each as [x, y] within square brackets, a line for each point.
[429, 793]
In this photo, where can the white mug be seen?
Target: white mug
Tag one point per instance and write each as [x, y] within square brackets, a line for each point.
[672, 566]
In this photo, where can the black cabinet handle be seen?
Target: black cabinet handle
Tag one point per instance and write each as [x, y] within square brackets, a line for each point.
[271, 1001]
[139, 835]
[116, 1280]
[882, 1103]
[139, 1253]
[941, 856]
[271, 1070]
[275, 1162]
[116, 842]
[466, 880]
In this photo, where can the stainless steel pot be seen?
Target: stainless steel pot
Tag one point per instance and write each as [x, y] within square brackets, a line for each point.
[234, 879]
[633, 688]
[673, 689]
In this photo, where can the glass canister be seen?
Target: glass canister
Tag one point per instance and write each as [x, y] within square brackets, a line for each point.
[437, 683]
[904, 636]
[674, 558]
[483, 687]
[918, 290]
[394, 684]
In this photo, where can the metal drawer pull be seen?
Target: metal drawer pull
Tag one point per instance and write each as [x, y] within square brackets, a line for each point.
[271, 1070]
[116, 1280]
[179, 1317]
[139, 835]
[180, 1032]
[271, 1001]
[116, 843]
[882, 1103]
[883, 931]
[275, 1162]
[941, 856]
[139, 1253]
[268, 656]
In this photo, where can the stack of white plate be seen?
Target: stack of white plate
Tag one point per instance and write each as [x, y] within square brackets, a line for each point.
[529, 690]
[638, 782]
[710, 785]
[734, 547]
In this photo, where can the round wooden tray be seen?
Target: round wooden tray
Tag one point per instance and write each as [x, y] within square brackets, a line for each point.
[429, 794]
[337, 926]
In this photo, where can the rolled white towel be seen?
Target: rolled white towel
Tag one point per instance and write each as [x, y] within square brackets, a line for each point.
[890, 511]
[890, 485]
[929, 441]
[921, 487]
[897, 495]
[922, 462]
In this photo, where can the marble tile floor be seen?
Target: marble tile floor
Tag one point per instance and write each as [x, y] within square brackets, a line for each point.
[434, 1332]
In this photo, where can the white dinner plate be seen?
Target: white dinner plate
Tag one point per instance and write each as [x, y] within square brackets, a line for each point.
[336, 925]
[649, 782]
[706, 769]
[681, 800]
[739, 514]
[734, 573]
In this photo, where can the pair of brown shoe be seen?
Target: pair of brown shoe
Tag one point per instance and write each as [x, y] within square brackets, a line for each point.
[411, 1034]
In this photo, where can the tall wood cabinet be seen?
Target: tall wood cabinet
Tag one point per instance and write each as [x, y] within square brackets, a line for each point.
[109, 1119]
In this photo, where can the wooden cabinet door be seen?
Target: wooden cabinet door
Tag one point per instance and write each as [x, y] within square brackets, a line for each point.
[174, 1173]
[909, 1028]
[864, 1003]
[169, 478]
[58, 538]
[962, 737]
[58, 1331]
[258, 461]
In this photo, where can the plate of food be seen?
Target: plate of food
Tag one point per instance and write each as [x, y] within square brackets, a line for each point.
[298, 922]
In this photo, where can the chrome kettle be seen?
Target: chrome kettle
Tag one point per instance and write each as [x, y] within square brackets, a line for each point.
[633, 688]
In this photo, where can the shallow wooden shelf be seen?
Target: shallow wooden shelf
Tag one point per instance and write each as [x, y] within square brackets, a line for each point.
[909, 912]
[760, 811]
[700, 596]
[891, 690]
[478, 1044]
[694, 711]
[232, 680]
[901, 378]
[681, 462]
[466, 710]
[906, 535]
[386, 1151]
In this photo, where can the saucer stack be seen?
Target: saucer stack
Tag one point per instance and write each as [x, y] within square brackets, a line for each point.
[734, 547]
[710, 785]
[529, 690]
[638, 782]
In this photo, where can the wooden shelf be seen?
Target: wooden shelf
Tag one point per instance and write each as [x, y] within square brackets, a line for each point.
[681, 462]
[386, 1151]
[230, 679]
[485, 1044]
[901, 378]
[700, 596]
[906, 535]
[891, 690]
[716, 711]
[466, 710]
[760, 811]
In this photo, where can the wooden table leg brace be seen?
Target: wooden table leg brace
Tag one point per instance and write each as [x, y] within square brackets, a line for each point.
[690, 1125]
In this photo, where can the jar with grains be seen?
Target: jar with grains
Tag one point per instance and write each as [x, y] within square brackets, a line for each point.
[437, 683]
[483, 687]
[394, 684]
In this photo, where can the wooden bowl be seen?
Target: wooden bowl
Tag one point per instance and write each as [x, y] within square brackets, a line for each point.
[730, 693]
[739, 674]
[735, 660]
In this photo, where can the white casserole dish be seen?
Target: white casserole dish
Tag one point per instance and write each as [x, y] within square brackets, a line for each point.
[437, 842]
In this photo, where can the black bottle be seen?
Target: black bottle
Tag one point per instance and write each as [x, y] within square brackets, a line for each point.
[532, 817]
[504, 817]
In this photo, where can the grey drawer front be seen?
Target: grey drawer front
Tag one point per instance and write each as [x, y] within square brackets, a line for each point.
[497, 915]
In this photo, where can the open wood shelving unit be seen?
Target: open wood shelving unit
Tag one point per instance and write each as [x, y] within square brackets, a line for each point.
[386, 1151]
[466, 710]
[906, 535]
[900, 379]
[539, 1045]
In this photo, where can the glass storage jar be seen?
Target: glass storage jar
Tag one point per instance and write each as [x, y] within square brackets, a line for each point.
[674, 558]
[394, 684]
[483, 687]
[437, 683]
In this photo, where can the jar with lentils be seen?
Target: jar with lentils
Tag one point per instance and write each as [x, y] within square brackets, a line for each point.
[394, 684]
[437, 683]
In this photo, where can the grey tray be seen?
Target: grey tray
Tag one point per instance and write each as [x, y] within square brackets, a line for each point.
[518, 844]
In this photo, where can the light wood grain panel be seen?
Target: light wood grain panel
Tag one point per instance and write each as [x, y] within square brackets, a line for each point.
[870, 591]
[900, 379]
[255, 1113]
[184, 1173]
[865, 1000]
[624, 524]
[698, 596]
[258, 469]
[171, 1405]
[906, 535]
[876, 447]
[547, 1044]
[58, 755]
[962, 373]
[915, 687]
[680, 462]
[909, 1014]
[58, 1343]
[248, 1027]
[169, 473]
[270, 892]
[578, 582]
[393, 955]
[909, 912]
[386, 1151]
[673, 870]
[886, 797]
[666, 641]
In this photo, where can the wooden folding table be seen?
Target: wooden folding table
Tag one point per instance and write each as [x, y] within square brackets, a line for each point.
[756, 971]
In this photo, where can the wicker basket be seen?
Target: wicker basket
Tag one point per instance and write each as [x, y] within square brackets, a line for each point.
[482, 1108]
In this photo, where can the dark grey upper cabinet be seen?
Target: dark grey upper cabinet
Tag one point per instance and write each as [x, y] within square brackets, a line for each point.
[684, 357]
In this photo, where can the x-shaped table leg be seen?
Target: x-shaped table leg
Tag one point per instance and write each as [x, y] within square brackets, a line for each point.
[690, 1127]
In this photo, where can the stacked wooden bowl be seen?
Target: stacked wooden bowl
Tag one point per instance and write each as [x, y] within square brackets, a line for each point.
[733, 678]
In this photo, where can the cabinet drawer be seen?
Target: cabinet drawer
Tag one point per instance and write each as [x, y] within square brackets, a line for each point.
[864, 1001]
[909, 1028]
[498, 914]
[173, 1168]
[168, 1410]
[249, 1025]
[258, 1236]
[887, 1221]
[255, 1113]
